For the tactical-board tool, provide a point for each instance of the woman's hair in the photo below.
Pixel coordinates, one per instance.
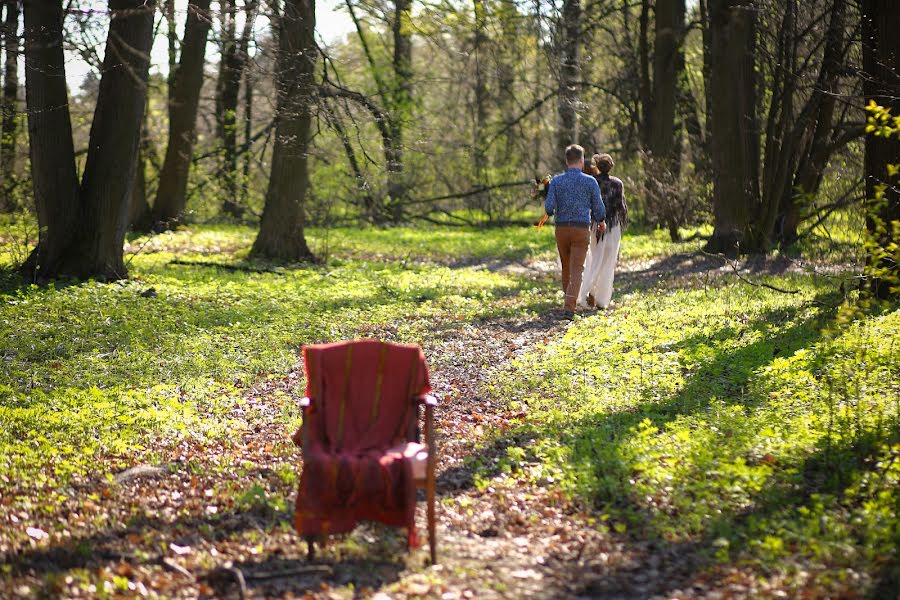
(590, 168)
(604, 162)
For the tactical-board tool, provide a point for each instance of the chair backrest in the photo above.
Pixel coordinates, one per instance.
(361, 394)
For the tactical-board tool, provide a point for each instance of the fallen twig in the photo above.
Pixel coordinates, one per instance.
(304, 570)
(226, 267)
(174, 566)
(734, 267)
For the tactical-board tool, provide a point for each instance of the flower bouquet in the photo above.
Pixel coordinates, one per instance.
(541, 186)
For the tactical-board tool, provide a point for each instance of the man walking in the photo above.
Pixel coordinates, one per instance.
(574, 197)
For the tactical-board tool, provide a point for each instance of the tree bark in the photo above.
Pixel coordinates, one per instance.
(666, 67)
(140, 204)
(53, 174)
(881, 83)
(480, 90)
(645, 89)
(816, 148)
(108, 178)
(401, 105)
(735, 139)
(569, 74)
(83, 229)
(231, 69)
(281, 234)
(171, 196)
(8, 104)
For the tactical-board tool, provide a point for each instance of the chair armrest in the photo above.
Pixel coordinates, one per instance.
(427, 400)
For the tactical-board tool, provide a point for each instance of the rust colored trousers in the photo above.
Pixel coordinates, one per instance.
(572, 243)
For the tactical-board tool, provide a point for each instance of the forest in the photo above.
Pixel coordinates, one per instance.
(191, 191)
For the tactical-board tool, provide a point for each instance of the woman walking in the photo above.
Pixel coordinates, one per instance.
(603, 253)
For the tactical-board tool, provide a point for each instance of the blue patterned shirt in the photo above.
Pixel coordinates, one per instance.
(574, 197)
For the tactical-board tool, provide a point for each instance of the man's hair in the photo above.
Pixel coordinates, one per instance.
(574, 153)
(604, 162)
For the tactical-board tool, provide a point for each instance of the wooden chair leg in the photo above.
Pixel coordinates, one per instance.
(310, 547)
(430, 481)
(432, 519)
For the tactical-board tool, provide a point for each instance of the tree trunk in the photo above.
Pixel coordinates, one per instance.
(735, 138)
(171, 196)
(115, 136)
(401, 105)
(480, 40)
(645, 89)
(569, 74)
(666, 67)
(53, 175)
(241, 72)
(816, 147)
(140, 205)
(248, 135)
(281, 234)
(8, 107)
(881, 83)
(83, 230)
(227, 93)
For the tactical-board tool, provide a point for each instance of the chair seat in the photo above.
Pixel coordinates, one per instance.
(417, 455)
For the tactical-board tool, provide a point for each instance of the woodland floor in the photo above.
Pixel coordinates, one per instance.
(210, 517)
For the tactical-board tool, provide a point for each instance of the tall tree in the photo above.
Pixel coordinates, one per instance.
(735, 136)
(171, 195)
(667, 64)
(8, 121)
(281, 234)
(570, 29)
(402, 102)
(814, 129)
(231, 69)
(82, 228)
(881, 84)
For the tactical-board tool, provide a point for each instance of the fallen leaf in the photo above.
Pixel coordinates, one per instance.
(38, 534)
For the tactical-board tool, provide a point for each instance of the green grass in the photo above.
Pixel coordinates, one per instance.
(758, 425)
(747, 420)
(95, 370)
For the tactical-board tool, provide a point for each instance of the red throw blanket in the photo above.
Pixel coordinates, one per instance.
(362, 404)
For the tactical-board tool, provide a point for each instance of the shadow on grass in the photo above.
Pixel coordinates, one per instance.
(367, 564)
(676, 268)
(596, 445)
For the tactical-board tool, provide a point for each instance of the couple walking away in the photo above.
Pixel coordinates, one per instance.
(590, 211)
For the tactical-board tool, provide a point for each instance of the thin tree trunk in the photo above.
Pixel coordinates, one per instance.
(881, 83)
(8, 107)
(816, 148)
(227, 93)
(171, 196)
(172, 46)
(250, 9)
(401, 105)
(248, 135)
(368, 202)
(666, 73)
(478, 49)
(140, 204)
(645, 89)
(735, 139)
(281, 233)
(83, 229)
(569, 74)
